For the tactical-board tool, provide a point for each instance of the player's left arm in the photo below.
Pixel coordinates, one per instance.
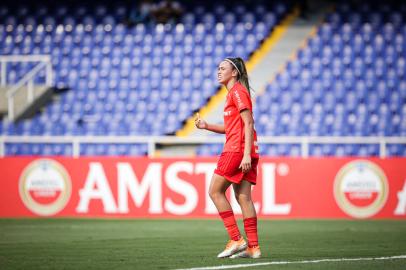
(248, 120)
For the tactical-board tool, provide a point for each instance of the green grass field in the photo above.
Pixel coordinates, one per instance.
(172, 244)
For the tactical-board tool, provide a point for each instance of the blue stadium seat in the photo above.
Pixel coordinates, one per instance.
(348, 80)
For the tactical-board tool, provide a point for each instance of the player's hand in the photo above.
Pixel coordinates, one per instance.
(245, 165)
(199, 122)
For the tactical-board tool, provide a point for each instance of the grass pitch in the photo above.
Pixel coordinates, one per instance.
(172, 244)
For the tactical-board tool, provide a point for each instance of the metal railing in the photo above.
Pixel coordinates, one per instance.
(153, 141)
(27, 80)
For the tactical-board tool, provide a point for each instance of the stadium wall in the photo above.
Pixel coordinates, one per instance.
(343, 188)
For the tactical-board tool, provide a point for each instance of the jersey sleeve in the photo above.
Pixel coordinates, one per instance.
(241, 99)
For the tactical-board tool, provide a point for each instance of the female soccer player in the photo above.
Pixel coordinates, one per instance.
(237, 165)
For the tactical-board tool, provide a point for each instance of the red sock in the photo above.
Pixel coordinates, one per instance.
(230, 224)
(250, 226)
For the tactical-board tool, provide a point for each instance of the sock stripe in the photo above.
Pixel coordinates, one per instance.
(226, 214)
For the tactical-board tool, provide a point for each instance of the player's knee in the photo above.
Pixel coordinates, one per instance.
(243, 198)
(215, 194)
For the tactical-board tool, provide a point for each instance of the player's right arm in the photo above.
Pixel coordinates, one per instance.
(202, 124)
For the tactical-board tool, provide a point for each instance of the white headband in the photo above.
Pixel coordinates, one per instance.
(228, 60)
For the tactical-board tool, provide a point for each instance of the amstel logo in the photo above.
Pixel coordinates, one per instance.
(361, 188)
(45, 187)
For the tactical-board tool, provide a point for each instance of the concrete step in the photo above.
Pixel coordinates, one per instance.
(24, 108)
(292, 34)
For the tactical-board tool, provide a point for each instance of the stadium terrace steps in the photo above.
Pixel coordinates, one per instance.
(23, 110)
(3, 101)
(145, 79)
(347, 80)
(292, 39)
(276, 51)
(266, 62)
(148, 79)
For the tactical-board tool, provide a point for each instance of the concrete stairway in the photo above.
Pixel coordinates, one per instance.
(291, 35)
(23, 107)
(271, 64)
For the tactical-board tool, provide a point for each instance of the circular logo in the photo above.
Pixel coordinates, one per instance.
(45, 187)
(361, 188)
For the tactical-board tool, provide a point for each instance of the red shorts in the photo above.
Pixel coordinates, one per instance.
(227, 166)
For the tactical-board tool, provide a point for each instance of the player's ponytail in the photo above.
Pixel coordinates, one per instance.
(239, 64)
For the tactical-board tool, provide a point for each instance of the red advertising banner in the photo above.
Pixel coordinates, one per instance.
(174, 187)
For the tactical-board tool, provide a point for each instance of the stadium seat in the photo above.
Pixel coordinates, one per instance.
(351, 81)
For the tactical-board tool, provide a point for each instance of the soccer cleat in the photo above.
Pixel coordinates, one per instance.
(233, 247)
(253, 253)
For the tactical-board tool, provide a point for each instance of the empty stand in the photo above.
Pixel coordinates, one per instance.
(349, 80)
(140, 80)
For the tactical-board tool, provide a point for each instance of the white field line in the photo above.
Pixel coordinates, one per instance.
(234, 266)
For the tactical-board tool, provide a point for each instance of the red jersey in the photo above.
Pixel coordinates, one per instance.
(237, 100)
